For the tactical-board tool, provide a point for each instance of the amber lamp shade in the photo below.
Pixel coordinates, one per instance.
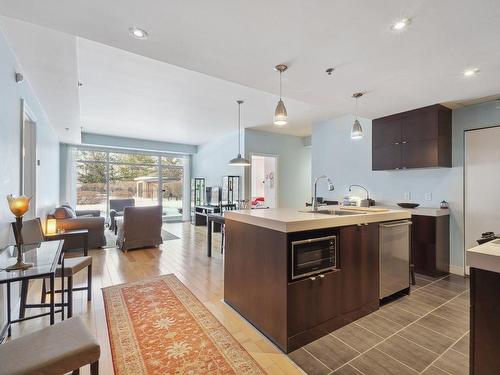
(18, 205)
(51, 226)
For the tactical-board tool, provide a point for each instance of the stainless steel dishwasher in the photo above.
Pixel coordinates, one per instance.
(394, 257)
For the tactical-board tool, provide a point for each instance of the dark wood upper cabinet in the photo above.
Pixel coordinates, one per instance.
(420, 138)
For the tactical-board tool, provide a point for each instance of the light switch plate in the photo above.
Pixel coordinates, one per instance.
(407, 196)
(428, 196)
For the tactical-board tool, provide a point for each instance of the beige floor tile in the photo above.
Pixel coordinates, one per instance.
(347, 370)
(308, 363)
(331, 351)
(433, 370)
(462, 346)
(407, 352)
(454, 363)
(395, 314)
(379, 325)
(375, 362)
(357, 337)
(452, 329)
(427, 338)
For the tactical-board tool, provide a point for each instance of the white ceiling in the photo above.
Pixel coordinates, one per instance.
(49, 62)
(241, 41)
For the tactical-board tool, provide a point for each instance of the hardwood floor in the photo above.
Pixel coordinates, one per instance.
(186, 258)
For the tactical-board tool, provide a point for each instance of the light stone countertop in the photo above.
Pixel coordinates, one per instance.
(292, 220)
(485, 256)
(422, 211)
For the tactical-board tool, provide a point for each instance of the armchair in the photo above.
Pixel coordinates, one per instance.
(139, 227)
(116, 207)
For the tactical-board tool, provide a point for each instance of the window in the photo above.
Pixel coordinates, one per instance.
(104, 175)
(91, 193)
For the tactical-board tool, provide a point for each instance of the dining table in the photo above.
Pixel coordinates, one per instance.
(44, 257)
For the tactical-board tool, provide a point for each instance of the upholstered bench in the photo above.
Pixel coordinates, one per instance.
(57, 349)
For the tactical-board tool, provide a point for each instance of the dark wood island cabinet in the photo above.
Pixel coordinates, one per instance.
(484, 322)
(292, 313)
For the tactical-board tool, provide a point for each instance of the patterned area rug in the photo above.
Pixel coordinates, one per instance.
(157, 326)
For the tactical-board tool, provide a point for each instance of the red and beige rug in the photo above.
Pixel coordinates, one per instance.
(157, 326)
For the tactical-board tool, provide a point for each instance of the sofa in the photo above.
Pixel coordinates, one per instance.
(139, 227)
(116, 207)
(69, 219)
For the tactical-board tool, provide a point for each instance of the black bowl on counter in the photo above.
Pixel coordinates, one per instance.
(408, 205)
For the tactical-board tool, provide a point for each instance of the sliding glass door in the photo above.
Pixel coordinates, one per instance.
(172, 172)
(147, 178)
(134, 176)
(91, 181)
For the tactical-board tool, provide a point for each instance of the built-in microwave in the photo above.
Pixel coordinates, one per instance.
(313, 256)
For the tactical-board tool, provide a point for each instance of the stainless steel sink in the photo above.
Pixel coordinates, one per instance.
(334, 212)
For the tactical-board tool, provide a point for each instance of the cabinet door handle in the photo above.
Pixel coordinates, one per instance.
(312, 278)
(322, 276)
(396, 143)
(404, 142)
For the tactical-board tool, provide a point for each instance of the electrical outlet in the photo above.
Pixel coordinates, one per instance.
(428, 196)
(407, 196)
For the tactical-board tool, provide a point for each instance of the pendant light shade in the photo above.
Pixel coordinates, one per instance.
(280, 114)
(357, 130)
(239, 161)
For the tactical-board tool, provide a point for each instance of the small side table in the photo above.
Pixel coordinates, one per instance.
(83, 233)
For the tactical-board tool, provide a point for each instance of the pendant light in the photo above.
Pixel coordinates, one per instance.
(239, 161)
(280, 115)
(357, 130)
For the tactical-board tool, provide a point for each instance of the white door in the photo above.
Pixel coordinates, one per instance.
(482, 183)
(29, 161)
(264, 177)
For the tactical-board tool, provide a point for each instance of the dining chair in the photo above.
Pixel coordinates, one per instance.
(32, 235)
(229, 207)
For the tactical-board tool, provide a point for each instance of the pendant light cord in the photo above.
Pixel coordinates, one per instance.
(280, 83)
(356, 108)
(239, 128)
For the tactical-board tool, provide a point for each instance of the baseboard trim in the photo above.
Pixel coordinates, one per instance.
(457, 270)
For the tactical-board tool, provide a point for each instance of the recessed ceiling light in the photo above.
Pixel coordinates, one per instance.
(401, 24)
(138, 33)
(471, 72)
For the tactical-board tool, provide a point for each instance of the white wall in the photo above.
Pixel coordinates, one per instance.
(10, 145)
(348, 161)
(294, 164)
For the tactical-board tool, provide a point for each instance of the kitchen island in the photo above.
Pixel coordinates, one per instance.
(484, 263)
(268, 282)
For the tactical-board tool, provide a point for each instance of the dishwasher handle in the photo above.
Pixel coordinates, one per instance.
(397, 224)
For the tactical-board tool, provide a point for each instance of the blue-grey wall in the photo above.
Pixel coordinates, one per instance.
(136, 144)
(11, 94)
(212, 159)
(348, 162)
(294, 165)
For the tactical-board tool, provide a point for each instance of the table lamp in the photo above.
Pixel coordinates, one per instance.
(19, 206)
(51, 226)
